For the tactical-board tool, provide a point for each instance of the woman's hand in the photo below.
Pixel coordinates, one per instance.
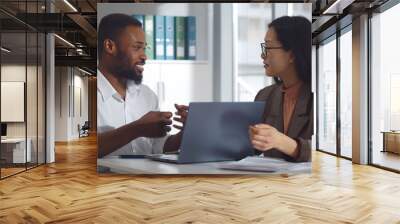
(264, 137)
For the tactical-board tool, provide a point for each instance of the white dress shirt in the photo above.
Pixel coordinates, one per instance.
(114, 112)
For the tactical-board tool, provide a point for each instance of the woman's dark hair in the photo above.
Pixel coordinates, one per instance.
(294, 33)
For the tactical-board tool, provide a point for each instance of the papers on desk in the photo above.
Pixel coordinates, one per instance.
(264, 164)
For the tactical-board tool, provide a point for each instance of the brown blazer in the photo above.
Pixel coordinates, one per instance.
(301, 124)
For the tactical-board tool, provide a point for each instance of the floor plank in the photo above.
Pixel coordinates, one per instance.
(70, 191)
(386, 159)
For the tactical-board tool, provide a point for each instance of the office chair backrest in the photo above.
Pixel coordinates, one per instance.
(86, 125)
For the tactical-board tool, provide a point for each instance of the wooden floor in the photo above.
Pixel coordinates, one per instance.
(9, 171)
(387, 159)
(5, 172)
(70, 191)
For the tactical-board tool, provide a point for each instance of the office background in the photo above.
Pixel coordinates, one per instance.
(22, 79)
(354, 69)
(28, 59)
(228, 65)
(340, 190)
(367, 46)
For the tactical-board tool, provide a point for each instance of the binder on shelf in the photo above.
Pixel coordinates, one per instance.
(180, 39)
(191, 37)
(149, 30)
(159, 37)
(140, 18)
(169, 38)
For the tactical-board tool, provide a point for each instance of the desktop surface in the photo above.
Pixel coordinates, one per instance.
(114, 164)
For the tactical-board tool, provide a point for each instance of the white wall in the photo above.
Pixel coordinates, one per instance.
(12, 73)
(33, 126)
(80, 82)
(61, 103)
(16, 73)
(70, 83)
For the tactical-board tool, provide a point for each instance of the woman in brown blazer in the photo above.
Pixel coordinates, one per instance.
(288, 127)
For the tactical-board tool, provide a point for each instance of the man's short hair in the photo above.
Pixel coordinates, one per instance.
(111, 26)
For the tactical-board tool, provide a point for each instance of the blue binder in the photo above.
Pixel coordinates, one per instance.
(169, 38)
(159, 37)
(149, 31)
(191, 37)
(180, 37)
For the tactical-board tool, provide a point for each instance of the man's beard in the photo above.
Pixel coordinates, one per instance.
(127, 73)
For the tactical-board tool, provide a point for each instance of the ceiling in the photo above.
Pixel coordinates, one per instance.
(76, 22)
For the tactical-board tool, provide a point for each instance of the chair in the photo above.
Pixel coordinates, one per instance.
(84, 130)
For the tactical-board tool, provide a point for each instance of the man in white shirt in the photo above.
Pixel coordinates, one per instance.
(129, 121)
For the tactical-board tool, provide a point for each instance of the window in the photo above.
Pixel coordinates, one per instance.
(253, 20)
(346, 94)
(22, 73)
(385, 87)
(327, 96)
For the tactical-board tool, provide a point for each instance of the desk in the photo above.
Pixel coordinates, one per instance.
(391, 141)
(13, 150)
(147, 166)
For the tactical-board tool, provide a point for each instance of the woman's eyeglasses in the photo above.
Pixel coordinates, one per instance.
(265, 49)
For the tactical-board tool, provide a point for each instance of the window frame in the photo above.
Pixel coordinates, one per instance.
(379, 10)
(334, 37)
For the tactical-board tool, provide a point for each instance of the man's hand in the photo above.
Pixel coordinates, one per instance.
(154, 124)
(181, 111)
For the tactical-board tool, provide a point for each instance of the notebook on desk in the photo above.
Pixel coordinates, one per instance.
(265, 164)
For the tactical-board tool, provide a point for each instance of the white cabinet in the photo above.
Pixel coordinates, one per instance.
(179, 82)
(16, 148)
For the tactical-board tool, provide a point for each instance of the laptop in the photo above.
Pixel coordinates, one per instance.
(216, 131)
